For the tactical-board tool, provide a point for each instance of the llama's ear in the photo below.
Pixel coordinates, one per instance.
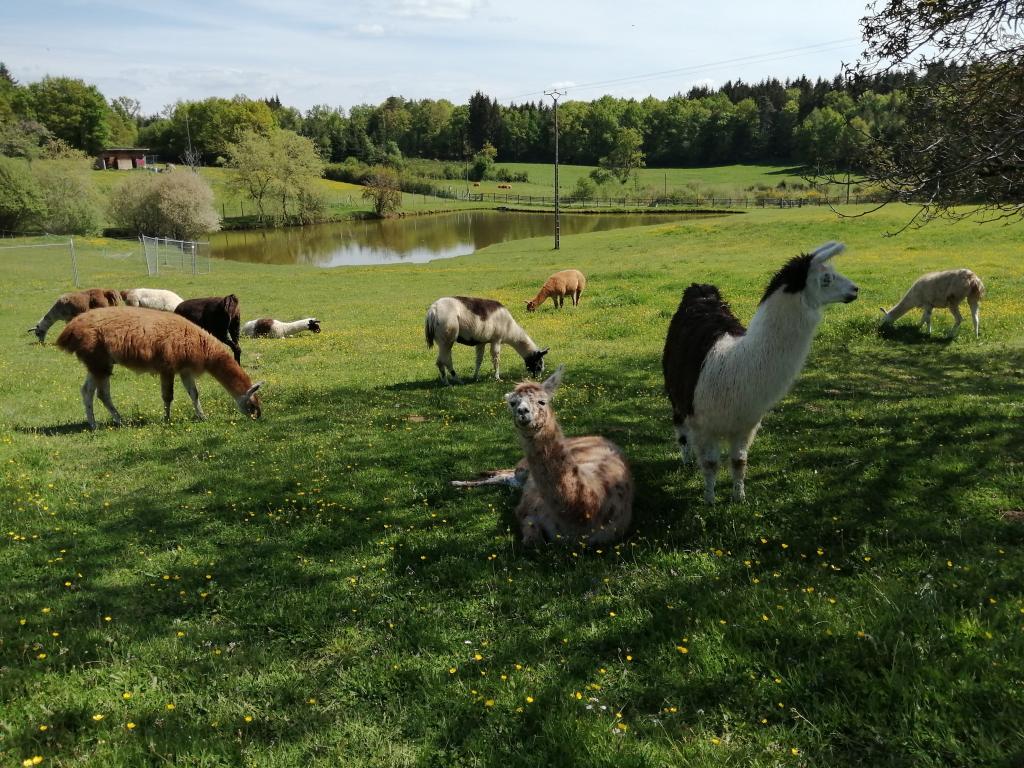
(882, 310)
(508, 396)
(544, 351)
(552, 382)
(253, 389)
(825, 252)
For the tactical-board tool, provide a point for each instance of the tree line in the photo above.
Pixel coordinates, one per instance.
(814, 122)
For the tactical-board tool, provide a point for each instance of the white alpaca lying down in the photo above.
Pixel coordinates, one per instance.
(941, 289)
(275, 329)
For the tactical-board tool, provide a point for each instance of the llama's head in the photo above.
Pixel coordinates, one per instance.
(530, 402)
(314, 325)
(813, 275)
(249, 402)
(535, 361)
(531, 305)
(40, 333)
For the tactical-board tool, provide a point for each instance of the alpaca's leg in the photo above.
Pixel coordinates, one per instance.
(103, 387)
(479, 361)
(88, 393)
(975, 316)
(684, 444)
(710, 456)
(189, 383)
(530, 514)
(926, 319)
(954, 307)
(738, 464)
(496, 359)
(167, 391)
(576, 297)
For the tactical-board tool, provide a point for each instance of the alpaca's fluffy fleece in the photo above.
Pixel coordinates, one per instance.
(152, 298)
(276, 329)
(72, 304)
(219, 315)
(152, 341)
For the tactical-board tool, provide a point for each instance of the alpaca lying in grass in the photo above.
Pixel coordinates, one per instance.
(941, 289)
(722, 378)
(267, 327)
(152, 298)
(568, 282)
(574, 488)
(72, 304)
(151, 341)
(476, 322)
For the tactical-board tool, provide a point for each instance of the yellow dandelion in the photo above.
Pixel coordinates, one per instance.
(764, 617)
(477, 657)
(682, 649)
(794, 751)
(715, 740)
(23, 622)
(126, 695)
(622, 726)
(107, 618)
(180, 633)
(97, 717)
(628, 657)
(452, 670)
(611, 613)
(41, 656)
(44, 728)
(130, 726)
(248, 718)
(529, 699)
(169, 706)
(489, 703)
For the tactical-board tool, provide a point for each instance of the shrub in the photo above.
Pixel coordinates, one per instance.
(584, 189)
(21, 200)
(177, 205)
(71, 204)
(383, 191)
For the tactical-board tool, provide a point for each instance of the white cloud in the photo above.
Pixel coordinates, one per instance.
(447, 10)
(370, 30)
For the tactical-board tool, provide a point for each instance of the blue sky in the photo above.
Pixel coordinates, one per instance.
(348, 52)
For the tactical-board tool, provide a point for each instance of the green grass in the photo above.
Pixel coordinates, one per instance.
(314, 571)
(724, 181)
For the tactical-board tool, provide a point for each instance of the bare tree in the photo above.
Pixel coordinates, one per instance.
(961, 152)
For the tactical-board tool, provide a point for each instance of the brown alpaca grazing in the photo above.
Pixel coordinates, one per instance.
(577, 488)
(568, 282)
(152, 341)
(72, 304)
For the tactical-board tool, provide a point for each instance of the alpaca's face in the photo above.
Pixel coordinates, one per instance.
(826, 286)
(530, 407)
(249, 403)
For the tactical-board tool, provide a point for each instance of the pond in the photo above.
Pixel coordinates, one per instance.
(411, 239)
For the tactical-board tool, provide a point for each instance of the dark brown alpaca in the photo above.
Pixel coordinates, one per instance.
(152, 341)
(218, 315)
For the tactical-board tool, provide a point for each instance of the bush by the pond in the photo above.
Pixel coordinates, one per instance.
(177, 205)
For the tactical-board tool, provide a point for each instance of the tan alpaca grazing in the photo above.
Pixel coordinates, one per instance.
(568, 282)
(577, 488)
(152, 341)
(69, 305)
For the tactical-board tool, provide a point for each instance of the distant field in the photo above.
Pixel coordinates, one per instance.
(308, 590)
(726, 181)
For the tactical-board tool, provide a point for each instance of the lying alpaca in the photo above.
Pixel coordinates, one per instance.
(153, 298)
(217, 315)
(941, 289)
(577, 487)
(476, 322)
(69, 305)
(721, 379)
(155, 342)
(568, 282)
(275, 329)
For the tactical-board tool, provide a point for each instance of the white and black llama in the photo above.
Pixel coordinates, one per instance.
(722, 378)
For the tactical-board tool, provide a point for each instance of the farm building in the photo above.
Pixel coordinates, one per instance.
(122, 158)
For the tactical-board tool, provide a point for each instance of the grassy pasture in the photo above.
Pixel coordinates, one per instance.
(308, 590)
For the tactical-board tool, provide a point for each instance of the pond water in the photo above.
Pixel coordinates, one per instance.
(411, 239)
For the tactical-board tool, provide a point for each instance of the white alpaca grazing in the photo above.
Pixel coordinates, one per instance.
(275, 329)
(941, 289)
(476, 322)
(722, 378)
(152, 298)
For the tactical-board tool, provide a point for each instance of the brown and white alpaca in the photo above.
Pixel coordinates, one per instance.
(268, 327)
(151, 341)
(568, 282)
(576, 487)
(476, 322)
(72, 304)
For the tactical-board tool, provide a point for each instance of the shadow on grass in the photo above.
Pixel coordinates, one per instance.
(335, 537)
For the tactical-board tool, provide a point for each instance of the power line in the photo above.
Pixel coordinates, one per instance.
(759, 58)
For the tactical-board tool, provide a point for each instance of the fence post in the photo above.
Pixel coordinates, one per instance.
(193, 258)
(74, 260)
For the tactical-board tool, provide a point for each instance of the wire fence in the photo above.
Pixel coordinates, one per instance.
(165, 254)
(52, 247)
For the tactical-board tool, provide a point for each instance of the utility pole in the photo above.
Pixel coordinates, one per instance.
(555, 94)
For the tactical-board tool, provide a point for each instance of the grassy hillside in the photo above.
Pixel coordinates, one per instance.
(307, 589)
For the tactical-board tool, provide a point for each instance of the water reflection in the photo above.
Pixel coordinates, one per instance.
(414, 239)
